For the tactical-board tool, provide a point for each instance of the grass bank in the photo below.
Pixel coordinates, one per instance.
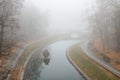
(27, 51)
(88, 66)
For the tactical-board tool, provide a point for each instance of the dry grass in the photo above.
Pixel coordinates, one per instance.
(30, 49)
(112, 55)
(93, 70)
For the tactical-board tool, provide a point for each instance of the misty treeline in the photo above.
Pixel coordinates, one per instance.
(106, 25)
(20, 23)
(8, 22)
(33, 22)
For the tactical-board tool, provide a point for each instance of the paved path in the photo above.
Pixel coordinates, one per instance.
(90, 54)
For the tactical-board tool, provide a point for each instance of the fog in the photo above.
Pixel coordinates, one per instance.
(28, 27)
(57, 15)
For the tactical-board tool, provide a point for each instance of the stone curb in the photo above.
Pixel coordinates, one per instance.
(20, 53)
(76, 67)
(23, 70)
(14, 64)
(27, 61)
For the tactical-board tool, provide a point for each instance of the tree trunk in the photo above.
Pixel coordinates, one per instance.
(1, 39)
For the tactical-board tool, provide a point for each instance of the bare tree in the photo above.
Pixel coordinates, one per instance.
(8, 10)
(107, 23)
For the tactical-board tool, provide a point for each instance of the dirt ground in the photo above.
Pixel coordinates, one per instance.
(112, 55)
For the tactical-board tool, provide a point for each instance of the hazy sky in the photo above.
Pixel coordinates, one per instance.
(65, 15)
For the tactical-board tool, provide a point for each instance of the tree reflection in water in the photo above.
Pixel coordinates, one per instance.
(46, 61)
(46, 58)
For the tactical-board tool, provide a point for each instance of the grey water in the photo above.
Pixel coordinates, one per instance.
(59, 68)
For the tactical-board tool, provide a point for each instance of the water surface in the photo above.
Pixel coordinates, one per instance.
(59, 68)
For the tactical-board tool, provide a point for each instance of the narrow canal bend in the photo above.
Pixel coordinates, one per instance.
(59, 68)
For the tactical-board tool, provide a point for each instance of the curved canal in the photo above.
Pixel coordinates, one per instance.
(57, 66)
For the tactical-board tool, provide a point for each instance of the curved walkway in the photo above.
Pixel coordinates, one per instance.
(90, 54)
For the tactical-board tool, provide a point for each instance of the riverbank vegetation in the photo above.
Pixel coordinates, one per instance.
(105, 24)
(91, 68)
(28, 51)
(17, 28)
(9, 33)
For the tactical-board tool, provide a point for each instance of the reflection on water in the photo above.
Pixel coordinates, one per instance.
(56, 66)
(46, 56)
(46, 61)
(32, 70)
